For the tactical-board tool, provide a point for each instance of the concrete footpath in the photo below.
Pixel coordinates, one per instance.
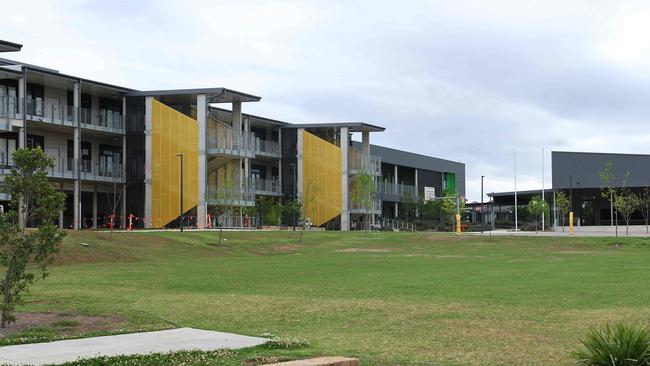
(124, 344)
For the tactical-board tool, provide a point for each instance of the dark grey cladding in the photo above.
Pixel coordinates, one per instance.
(580, 169)
(419, 161)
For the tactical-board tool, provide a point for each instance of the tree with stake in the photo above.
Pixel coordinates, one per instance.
(537, 207)
(34, 200)
(609, 188)
(113, 204)
(626, 203)
(563, 205)
(363, 192)
(308, 197)
(226, 199)
(644, 206)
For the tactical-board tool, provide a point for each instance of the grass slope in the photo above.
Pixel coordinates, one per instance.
(388, 298)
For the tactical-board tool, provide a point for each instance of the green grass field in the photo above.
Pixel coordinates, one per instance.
(387, 298)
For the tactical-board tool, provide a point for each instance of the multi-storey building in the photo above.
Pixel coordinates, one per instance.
(123, 149)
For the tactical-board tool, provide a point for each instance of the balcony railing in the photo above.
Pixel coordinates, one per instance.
(358, 161)
(57, 112)
(266, 186)
(396, 191)
(375, 207)
(266, 147)
(226, 141)
(217, 195)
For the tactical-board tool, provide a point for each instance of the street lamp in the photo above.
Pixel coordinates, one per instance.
(482, 176)
(181, 201)
(293, 196)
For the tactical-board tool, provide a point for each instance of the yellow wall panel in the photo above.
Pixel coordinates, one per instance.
(172, 133)
(321, 190)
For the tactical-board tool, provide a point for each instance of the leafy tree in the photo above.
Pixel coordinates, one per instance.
(609, 186)
(563, 205)
(34, 200)
(626, 203)
(452, 204)
(644, 206)
(269, 209)
(363, 192)
(408, 206)
(537, 207)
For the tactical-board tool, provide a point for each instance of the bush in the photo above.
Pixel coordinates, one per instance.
(620, 345)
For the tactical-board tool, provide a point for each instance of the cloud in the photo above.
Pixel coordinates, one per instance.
(469, 81)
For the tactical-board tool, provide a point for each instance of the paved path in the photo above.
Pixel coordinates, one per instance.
(124, 344)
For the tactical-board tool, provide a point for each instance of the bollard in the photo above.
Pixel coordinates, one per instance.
(571, 223)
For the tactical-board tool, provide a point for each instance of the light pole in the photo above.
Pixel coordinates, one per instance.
(482, 176)
(293, 196)
(181, 201)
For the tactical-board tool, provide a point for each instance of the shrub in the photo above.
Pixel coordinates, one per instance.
(620, 345)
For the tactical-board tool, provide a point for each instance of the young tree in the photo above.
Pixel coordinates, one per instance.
(537, 207)
(34, 200)
(307, 199)
(226, 199)
(408, 206)
(452, 204)
(114, 202)
(626, 203)
(363, 192)
(563, 205)
(609, 186)
(644, 206)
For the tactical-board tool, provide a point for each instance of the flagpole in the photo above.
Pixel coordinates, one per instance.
(516, 223)
(544, 202)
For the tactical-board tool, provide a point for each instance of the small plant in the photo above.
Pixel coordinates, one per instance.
(618, 345)
(286, 342)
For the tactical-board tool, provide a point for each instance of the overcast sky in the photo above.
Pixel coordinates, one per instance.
(468, 81)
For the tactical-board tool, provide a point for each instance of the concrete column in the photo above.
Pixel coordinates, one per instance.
(148, 195)
(417, 192)
(365, 142)
(22, 94)
(345, 199)
(123, 210)
(76, 143)
(236, 120)
(202, 119)
(280, 161)
(299, 166)
(95, 208)
(396, 209)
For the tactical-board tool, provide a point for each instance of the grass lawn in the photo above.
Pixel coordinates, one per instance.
(387, 298)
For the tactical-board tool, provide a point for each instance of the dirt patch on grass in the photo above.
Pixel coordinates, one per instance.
(366, 250)
(63, 323)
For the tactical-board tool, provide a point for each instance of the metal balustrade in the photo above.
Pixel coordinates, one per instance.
(266, 186)
(226, 141)
(375, 207)
(267, 147)
(232, 197)
(60, 113)
(358, 161)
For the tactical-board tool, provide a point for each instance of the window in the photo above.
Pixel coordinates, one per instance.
(34, 141)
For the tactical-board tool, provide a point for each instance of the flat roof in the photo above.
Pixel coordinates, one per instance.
(255, 117)
(214, 95)
(353, 126)
(6, 46)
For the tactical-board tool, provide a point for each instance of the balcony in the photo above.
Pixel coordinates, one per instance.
(358, 161)
(219, 196)
(396, 192)
(267, 148)
(59, 113)
(267, 187)
(101, 171)
(227, 142)
(375, 208)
